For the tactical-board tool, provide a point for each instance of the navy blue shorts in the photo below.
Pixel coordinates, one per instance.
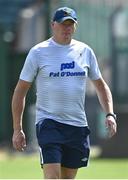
(62, 143)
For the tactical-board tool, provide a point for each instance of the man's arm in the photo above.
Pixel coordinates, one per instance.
(18, 104)
(106, 101)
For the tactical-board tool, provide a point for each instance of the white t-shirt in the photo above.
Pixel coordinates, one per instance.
(60, 73)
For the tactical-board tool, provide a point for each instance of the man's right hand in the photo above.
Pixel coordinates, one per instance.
(19, 141)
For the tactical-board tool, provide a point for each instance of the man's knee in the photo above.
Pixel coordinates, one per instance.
(67, 173)
(52, 171)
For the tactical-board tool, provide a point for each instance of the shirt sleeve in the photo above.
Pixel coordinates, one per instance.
(94, 71)
(30, 68)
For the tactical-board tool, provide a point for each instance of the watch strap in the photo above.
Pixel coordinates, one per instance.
(111, 114)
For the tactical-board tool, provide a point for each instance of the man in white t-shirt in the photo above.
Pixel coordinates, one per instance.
(60, 67)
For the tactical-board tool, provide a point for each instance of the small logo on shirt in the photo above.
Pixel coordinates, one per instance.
(84, 159)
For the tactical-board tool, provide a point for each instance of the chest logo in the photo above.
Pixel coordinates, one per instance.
(64, 73)
(67, 66)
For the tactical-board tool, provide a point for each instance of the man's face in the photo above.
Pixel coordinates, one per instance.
(63, 31)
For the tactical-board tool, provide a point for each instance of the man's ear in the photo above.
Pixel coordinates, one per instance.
(52, 24)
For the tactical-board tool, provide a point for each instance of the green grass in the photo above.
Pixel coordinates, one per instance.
(27, 167)
(105, 169)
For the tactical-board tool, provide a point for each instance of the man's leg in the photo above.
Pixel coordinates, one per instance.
(68, 173)
(52, 171)
(50, 156)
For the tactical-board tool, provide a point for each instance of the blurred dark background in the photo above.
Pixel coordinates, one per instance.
(103, 25)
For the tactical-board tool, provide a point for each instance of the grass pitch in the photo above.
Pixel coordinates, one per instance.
(27, 167)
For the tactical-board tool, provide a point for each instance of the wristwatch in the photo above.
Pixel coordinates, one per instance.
(111, 114)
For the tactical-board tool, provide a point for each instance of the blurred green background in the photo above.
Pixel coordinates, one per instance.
(103, 25)
(27, 167)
